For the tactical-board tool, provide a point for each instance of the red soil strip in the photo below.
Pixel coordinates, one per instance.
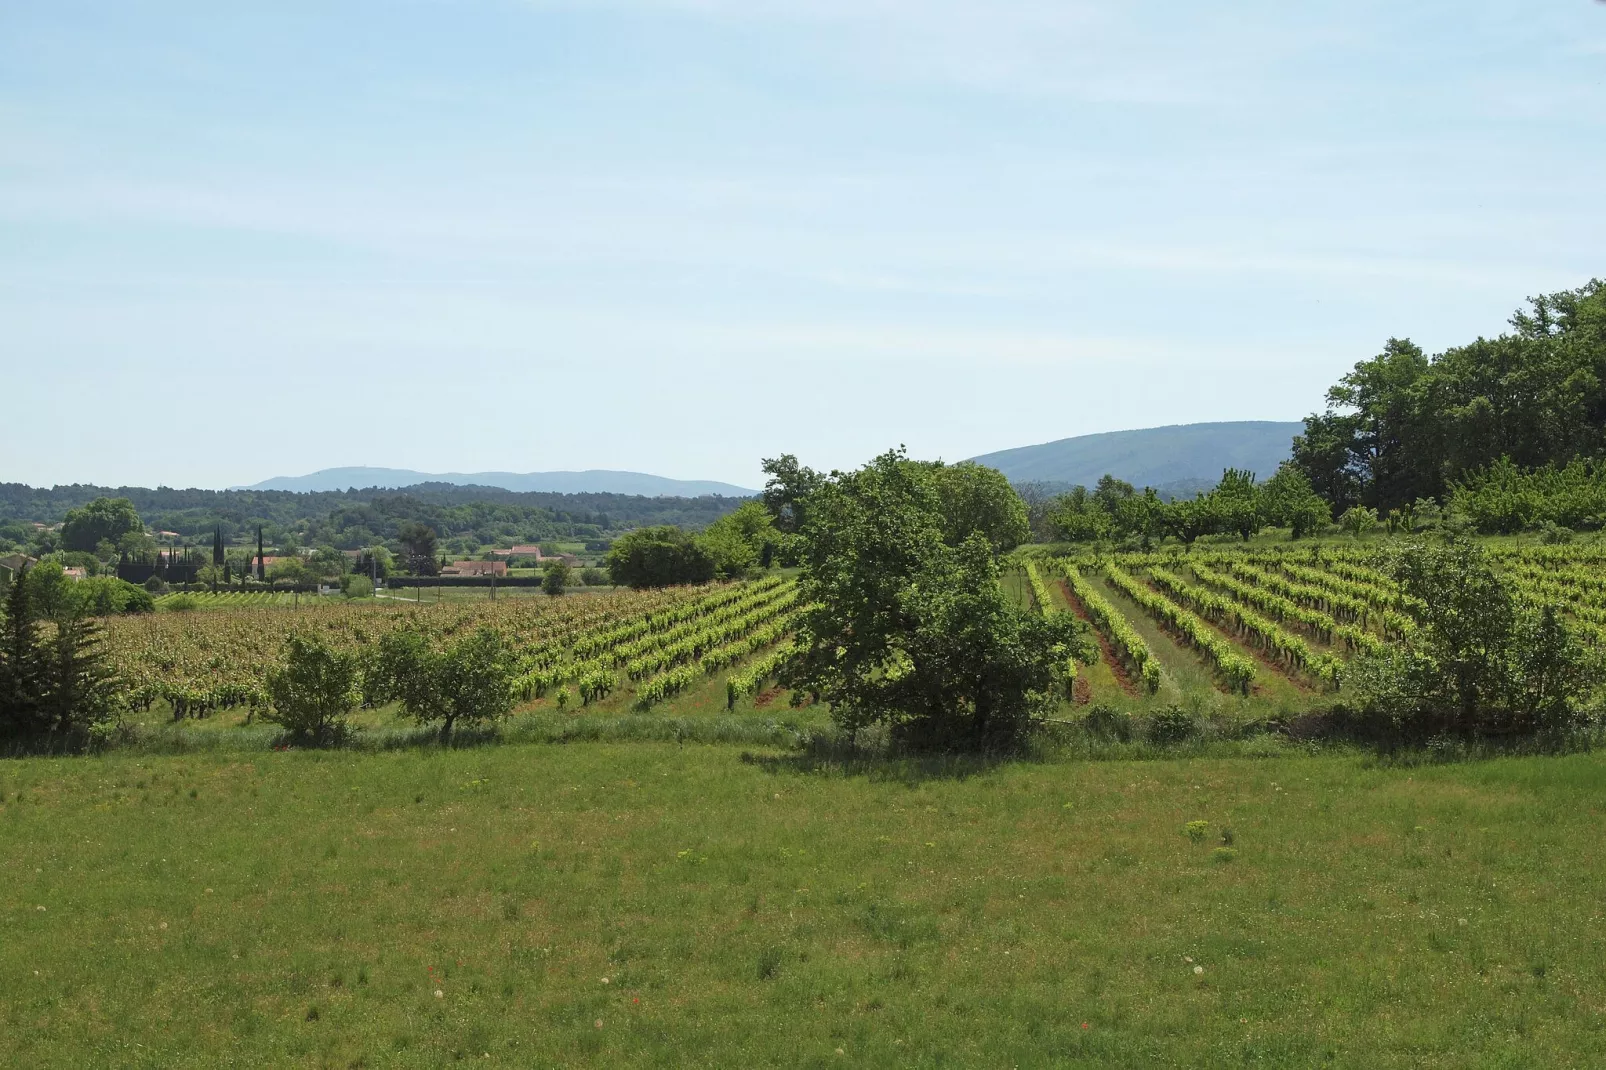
(1111, 658)
(764, 698)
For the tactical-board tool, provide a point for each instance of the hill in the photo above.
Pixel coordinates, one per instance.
(593, 481)
(1162, 457)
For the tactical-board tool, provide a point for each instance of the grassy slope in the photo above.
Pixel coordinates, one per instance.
(303, 909)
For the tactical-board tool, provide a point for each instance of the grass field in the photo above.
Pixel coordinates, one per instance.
(653, 904)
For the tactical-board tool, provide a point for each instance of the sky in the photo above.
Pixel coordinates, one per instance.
(677, 236)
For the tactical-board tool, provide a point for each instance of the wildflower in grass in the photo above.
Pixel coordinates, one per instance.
(1198, 970)
(1196, 830)
(599, 1023)
(439, 994)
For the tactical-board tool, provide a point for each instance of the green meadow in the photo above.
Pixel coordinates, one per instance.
(649, 904)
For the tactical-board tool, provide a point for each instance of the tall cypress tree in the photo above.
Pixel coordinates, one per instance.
(217, 546)
(262, 568)
(22, 665)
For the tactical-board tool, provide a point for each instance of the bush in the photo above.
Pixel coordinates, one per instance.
(593, 577)
(357, 586)
(1171, 725)
(1106, 722)
(313, 690)
(155, 585)
(555, 578)
(1553, 534)
(1482, 664)
(180, 603)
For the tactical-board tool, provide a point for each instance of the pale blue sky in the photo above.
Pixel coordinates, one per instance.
(240, 240)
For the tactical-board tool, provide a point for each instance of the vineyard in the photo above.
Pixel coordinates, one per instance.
(642, 647)
(1239, 629)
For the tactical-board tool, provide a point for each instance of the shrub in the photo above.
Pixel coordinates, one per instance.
(155, 585)
(593, 577)
(1553, 534)
(1107, 722)
(180, 603)
(1171, 725)
(1196, 830)
(313, 690)
(555, 578)
(1482, 663)
(357, 586)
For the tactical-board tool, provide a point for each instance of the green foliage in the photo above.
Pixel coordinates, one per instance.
(1288, 500)
(593, 577)
(979, 500)
(418, 548)
(659, 557)
(555, 578)
(51, 685)
(903, 627)
(1482, 662)
(355, 585)
(102, 520)
(107, 596)
(736, 542)
(1398, 427)
(1503, 498)
(467, 682)
(1359, 520)
(313, 690)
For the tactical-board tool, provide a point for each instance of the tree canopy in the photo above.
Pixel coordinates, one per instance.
(907, 625)
(1403, 426)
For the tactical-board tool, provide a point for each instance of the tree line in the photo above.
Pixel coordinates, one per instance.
(1404, 426)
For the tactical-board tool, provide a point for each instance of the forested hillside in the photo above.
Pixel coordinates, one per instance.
(353, 519)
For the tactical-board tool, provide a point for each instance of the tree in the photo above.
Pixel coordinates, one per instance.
(418, 548)
(1481, 663)
(313, 689)
(736, 541)
(1289, 501)
(81, 692)
(22, 669)
(905, 629)
(1402, 425)
(555, 578)
(1188, 519)
(1077, 516)
(328, 561)
(975, 499)
(789, 484)
(1237, 503)
(660, 556)
(469, 681)
(49, 591)
(102, 520)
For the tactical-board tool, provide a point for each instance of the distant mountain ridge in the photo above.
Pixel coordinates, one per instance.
(593, 481)
(1174, 457)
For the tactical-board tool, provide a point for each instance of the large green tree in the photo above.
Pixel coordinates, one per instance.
(104, 520)
(907, 624)
(661, 556)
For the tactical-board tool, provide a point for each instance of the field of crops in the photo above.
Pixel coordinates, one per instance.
(226, 600)
(1257, 626)
(652, 645)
